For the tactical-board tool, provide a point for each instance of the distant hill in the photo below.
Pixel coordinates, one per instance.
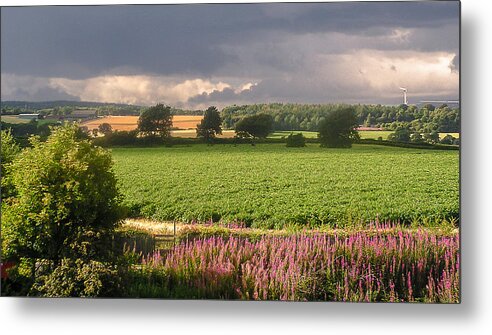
(103, 108)
(59, 103)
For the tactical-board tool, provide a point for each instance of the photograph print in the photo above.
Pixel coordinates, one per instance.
(261, 151)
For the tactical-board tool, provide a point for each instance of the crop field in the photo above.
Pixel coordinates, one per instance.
(12, 119)
(130, 122)
(269, 185)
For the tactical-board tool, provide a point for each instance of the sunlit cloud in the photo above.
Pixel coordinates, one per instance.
(144, 90)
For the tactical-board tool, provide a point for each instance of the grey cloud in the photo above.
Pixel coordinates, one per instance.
(455, 64)
(80, 42)
(41, 94)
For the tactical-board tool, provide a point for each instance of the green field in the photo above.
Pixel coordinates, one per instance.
(271, 185)
(13, 119)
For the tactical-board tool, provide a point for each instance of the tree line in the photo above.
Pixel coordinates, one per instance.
(424, 119)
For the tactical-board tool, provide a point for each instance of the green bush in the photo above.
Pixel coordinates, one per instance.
(9, 149)
(79, 279)
(66, 202)
(401, 134)
(296, 141)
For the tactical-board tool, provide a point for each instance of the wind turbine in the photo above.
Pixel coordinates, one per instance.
(405, 102)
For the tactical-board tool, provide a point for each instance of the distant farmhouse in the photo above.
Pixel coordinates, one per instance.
(81, 115)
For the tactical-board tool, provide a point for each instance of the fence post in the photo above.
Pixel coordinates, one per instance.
(174, 234)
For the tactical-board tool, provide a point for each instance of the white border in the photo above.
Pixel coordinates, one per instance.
(78, 316)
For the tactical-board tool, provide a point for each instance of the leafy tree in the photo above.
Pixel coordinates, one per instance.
(105, 128)
(79, 279)
(429, 107)
(156, 121)
(257, 126)
(339, 129)
(416, 137)
(369, 121)
(296, 141)
(401, 134)
(210, 126)
(66, 203)
(432, 137)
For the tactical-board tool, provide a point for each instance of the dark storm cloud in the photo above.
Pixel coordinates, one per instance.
(41, 94)
(82, 42)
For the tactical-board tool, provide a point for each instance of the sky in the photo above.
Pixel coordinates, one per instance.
(199, 55)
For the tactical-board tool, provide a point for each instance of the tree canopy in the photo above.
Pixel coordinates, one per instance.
(210, 126)
(156, 121)
(105, 128)
(401, 134)
(339, 128)
(257, 126)
(289, 116)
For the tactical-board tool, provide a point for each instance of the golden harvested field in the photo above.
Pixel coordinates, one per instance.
(130, 122)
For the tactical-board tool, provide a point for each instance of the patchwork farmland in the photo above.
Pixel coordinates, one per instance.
(130, 122)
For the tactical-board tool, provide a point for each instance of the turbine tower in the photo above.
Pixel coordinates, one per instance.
(405, 102)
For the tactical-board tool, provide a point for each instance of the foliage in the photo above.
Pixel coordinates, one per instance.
(79, 278)
(401, 134)
(118, 137)
(105, 128)
(296, 141)
(398, 267)
(414, 145)
(23, 130)
(265, 185)
(257, 126)
(416, 137)
(338, 129)
(432, 137)
(66, 202)
(309, 116)
(9, 149)
(156, 121)
(210, 126)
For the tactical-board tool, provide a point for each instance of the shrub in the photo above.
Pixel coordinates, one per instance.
(79, 279)
(401, 134)
(416, 137)
(9, 149)
(432, 137)
(122, 137)
(296, 141)
(66, 203)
